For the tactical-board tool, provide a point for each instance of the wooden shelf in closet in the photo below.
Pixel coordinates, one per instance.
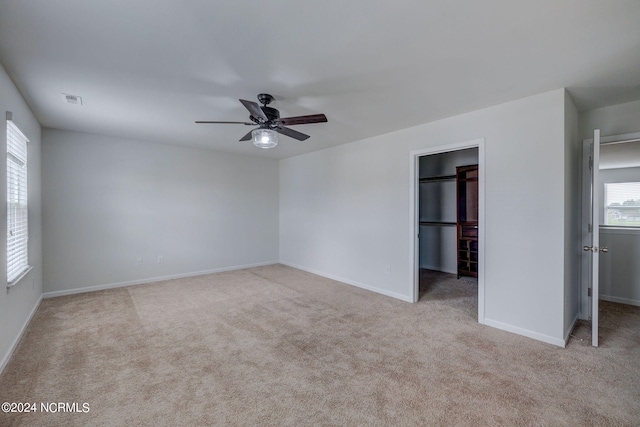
(438, 179)
(467, 220)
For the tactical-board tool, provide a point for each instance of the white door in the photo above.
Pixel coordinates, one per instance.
(592, 235)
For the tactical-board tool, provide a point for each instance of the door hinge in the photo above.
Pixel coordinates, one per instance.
(588, 292)
(590, 162)
(590, 228)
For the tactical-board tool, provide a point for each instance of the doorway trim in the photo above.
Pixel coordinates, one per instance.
(414, 158)
(585, 267)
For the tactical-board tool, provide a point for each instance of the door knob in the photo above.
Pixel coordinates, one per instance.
(587, 248)
(604, 249)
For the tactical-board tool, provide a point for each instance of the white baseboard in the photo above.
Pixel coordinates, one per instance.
(16, 341)
(524, 332)
(620, 300)
(351, 282)
(150, 280)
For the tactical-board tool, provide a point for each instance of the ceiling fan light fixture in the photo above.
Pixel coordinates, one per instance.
(264, 138)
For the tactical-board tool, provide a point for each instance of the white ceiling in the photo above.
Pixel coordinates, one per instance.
(146, 69)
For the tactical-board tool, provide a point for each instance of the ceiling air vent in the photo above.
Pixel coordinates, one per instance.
(72, 99)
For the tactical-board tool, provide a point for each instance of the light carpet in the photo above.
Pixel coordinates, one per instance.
(276, 346)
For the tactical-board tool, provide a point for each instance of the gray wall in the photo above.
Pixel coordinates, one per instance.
(344, 211)
(438, 244)
(619, 273)
(18, 303)
(612, 120)
(108, 202)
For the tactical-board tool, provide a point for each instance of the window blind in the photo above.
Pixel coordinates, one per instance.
(622, 204)
(17, 208)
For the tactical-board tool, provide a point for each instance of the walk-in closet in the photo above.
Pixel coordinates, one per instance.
(448, 224)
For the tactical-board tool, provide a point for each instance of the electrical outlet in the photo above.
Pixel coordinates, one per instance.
(160, 259)
(139, 261)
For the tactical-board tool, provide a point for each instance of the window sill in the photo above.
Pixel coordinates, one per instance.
(20, 277)
(619, 230)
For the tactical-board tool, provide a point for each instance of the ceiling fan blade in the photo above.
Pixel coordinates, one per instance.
(248, 136)
(239, 123)
(292, 133)
(302, 120)
(254, 109)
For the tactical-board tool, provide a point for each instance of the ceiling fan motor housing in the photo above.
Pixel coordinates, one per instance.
(271, 113)
(265, 98)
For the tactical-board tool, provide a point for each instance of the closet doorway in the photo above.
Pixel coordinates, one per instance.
(448, 207)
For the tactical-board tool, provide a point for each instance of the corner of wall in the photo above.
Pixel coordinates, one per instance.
(572, 209)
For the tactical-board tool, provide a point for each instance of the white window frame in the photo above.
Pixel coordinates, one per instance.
(17, 205)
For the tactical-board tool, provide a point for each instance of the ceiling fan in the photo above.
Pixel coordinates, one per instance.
(270, 124)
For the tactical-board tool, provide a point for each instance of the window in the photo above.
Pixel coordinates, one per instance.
(17, 212)
(622, 204)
